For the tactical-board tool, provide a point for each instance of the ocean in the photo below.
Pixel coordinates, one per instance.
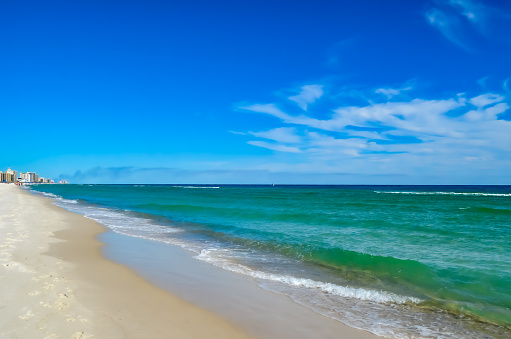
(397, 261)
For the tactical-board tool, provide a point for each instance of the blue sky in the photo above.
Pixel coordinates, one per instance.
(324, 92)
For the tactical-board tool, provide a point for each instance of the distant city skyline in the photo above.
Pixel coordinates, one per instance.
(13, 176)
(330, 92)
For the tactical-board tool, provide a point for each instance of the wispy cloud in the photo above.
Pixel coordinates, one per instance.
(471, 10)
(446, 132)
(283, 134)
(392, 92)
(126, 174)
(486, 99)
(417, 115)
(448, 139)
(334, 54)
(162, 175)
(308, 94)
(271, 109)
(457, 20)
(275, 146)
(448, 25)
(275, 172)
(239, 133)
(505, 85)
(482, 82)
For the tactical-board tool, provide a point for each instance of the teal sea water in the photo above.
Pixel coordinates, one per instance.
(399, 261)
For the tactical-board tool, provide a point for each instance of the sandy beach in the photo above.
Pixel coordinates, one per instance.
(57, 284)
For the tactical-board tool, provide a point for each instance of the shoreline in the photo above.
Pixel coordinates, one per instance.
(56, 284)
(237, 298)
(111, 289)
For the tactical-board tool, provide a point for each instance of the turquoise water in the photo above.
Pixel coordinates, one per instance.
(399, 261)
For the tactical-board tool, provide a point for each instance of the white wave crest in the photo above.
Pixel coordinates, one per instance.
(195, 187)
(343, 291)
(51, 195)
(57, 199)
(449, 193)
(66, 201)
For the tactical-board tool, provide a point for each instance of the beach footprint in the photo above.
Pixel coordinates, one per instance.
(81, 335)
(27, 315)
(49, 286)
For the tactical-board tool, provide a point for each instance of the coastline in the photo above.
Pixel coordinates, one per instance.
(58, 282)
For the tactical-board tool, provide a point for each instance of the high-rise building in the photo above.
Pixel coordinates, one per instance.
(9, 176)
(31, 177)
(12, 175)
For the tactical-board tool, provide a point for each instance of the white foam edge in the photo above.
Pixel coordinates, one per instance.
(448, 193)
(343, 291)
(195, 187)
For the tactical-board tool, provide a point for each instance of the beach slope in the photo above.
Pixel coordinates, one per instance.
(56, 284)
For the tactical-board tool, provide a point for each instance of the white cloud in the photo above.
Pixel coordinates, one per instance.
(391, 92)
(283, 134)
(489, 113)
(268, 109)
(275, 147)
(324, 145)
(418, 116)
(388, 92)
(239, 133)
(486, 99)
(367, 135)
(428, 137)
(307, 95)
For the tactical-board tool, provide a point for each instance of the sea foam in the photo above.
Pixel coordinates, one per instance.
(343, 291)
(449, 193)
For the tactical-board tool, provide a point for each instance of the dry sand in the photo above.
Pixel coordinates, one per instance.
(54, 283)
